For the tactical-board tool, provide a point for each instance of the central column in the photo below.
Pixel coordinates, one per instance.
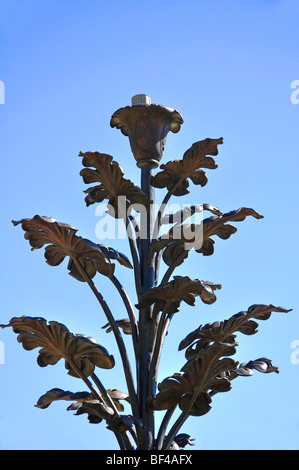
(147, 126)
(145, 316)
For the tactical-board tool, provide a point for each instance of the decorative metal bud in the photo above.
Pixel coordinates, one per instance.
(147, 126)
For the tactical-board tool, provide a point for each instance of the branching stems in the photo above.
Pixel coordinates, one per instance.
(179, 422)
(123, 440)
(164, 203)
(172, 267)
(118, 337)
(130, 310)
(160, 336)
(134, 251)
(163, 427)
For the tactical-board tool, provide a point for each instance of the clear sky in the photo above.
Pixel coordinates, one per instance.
(227, 67)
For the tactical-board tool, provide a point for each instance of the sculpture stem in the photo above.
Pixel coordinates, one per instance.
(160, 336)
(179, 423)
(164, 203)
(134, 253)
(147, 272)
(118, 337)
(163, 427)
(130, 310)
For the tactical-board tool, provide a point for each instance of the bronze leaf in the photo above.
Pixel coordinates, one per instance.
(112, 185)
(263, 365)
(179, 289)
(215, 225)
(62, 241)
(56, 342)
(83, 402)
(116, 396)
(184, 439)
(224, 331)
(124, 324)
(174, 250)
(56, 394)
(194, 158)
(212, 226)
(181, 215)
(190, 390)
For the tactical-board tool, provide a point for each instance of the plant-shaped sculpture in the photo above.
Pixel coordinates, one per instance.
(209, 368)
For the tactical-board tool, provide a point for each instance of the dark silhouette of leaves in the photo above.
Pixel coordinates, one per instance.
(190, 390)
(124, 324)
(224, 331)
(56, 342)
(184, 439)
(62, 241)
(178, 290)
(84, 402)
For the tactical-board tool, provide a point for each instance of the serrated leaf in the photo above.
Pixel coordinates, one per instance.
(189, 167)
(56, 342)
(124, 324)
(263, 365)
(224, 331)
(62, 241)
(182, 238)
(178, 290)
(202, 375)
(112, 185)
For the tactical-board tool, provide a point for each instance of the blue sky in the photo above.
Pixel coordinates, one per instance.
(227, 67)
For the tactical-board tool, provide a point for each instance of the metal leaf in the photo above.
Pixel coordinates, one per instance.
(124, 324)
(262, 365)
(83, 402)
(56, 342)
(83, 399)
(178, 290)
(111, 253)
(215, 225)
(116, 396)
(112, 182)
(90, 408)
(62, 241)
(177, 243)
(174, 250)
(224, 331)
(181, 215)
(184, 439)
(56, 394)
(180, 170)
(203, 374)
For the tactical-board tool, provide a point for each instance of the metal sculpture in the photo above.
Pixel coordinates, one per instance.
(209, 368)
